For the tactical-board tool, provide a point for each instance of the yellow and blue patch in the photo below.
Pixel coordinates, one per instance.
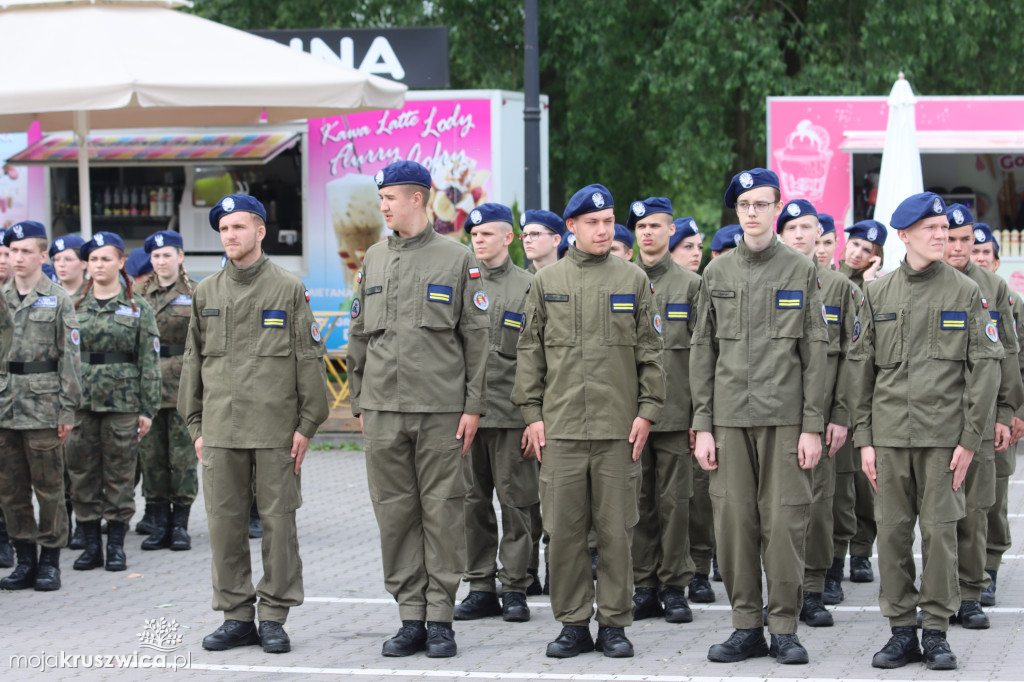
(953, 320)
(994, 314)
(789, 299)
(439, 293)
(513, 320)
(832, 314)
(274, 318)
(677, 311)
(623, 303)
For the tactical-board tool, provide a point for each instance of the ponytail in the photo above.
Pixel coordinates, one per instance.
(128, 289)
(184, 277)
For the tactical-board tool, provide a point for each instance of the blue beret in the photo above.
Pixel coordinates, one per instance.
(748, 180)
(488, 213)
(623, 235)
(101, 239)
(827, 223)
(650, 205)
(983, 235)
(546, 218)
(794, 208)
(233, 203)
(70, 241)
(727, 238)
(564, 245)
(588, 200)
(685, 227)
(138, 263)
(959, 215)
(51, 273)
(163, 238)
(871, 230)
(917, 207)
(24, 230)
(403, 173)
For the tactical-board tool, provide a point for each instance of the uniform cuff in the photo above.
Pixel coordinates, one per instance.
(862, 438)
(66, 417)
(970, 441)
(475, 407)
(306, 428)
(649, 412)
(195, 431)
(1004, 414)
(701, 424)
(356, 410)
(840, 416)
(813, 425)
(532, 414)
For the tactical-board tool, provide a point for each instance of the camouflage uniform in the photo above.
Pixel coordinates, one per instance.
(120, 381)
(167, 454)
(39, 389)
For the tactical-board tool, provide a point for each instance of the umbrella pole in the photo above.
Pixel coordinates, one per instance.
(84, 189)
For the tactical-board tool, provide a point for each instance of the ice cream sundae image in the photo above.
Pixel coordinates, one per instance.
(803, 163)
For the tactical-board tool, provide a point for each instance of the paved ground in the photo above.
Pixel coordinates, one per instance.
(347, 615)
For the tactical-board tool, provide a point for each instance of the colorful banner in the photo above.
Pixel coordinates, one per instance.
(452, 138)
(127, 149)
(14, 185)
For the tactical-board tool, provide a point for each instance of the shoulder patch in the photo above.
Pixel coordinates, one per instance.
(481, 301)
(156, 345)
(76, 337)
(356, 307)
(474, 273)
(856, 328)
(314, 331)
(991, 332)
(657, 322)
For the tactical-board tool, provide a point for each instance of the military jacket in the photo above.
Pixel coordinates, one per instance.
(6, 332)
(921, 333)
(840, 300)
(253, 372)
(1018, 329)
(417, 340)
(855, 276)
(132, 385)
(590, 355)
(46, 331)
(675, 299)
(505, 288)
(995, 299)
(172, 306)
(759, 347)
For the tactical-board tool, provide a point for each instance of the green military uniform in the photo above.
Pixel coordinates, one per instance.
(702, 521)
(757, 373)
(417, 353)
(120, 382)
(921, 333)
(589, 364)
(253, 375)
(661, 545)
(496, 457)
(168, 457)
(40, 387)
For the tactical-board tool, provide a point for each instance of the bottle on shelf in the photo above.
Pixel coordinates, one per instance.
(133, 202)
(108, 205)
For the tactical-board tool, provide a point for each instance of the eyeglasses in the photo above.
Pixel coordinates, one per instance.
(759, 206)
(530, 236)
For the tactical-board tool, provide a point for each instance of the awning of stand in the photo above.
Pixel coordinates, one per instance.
(940, 142)
(159, 150)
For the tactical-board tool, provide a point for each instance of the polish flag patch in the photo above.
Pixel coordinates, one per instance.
(474, 273)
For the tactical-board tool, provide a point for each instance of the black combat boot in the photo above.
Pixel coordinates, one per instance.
(180, 539)
(902, 648)
(48, 571)
(6, 551)
(536, 588)
(147, 524)
(613, 643)
(860, 570)
(814, 613)
(160, 526)
(255, 524)
(646, 603)
(231, 634)
(988, 595)
(24, 574)
(833, 593)
(700, 589)
(788, 650)
(741, 645)
(411, 637)
(937, 654)
(92, 557)
(971, 616)
(514, 608)
(440, 640)
(478, 605)
(116, 560)
(273, 637)
(573, 640)
(676, 608)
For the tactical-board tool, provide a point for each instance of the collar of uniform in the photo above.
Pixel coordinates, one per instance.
(659, 268)
(43, 287)
(757, 256)
(583, 258)
(845, 269)
(969, 268)
(246, 275)
(926, 274)
(494, 273)
(121, 297)
(425, 237)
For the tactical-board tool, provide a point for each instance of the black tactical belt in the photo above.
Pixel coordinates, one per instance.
(38, 367)
(171, 350)
(106, 358)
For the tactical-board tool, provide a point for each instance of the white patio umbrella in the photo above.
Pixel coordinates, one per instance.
(98, 64)
(901, 165)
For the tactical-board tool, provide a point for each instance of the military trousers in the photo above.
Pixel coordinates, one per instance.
(661, 538)
(229, 478)
(867, 529)
(702, 521)
(762, 501)
(915, 485)
(972, 529)
(844, 499)
(819, 550)
(536, 530)
(103, 453)
(498, 465)
(169, 460)
(999, 538)
(418, 482)
(33, 460)
(584, 486)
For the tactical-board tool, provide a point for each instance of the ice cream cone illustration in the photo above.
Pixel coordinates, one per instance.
(804, 162)
(358, 222)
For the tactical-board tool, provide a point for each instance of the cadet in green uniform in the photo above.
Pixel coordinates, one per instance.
(120, 395)
(980, 484)
(589, 376)
(863, 258)
(760, 301)
(253, 392)
(687, 244)
(799, 227)
(662, 567)
(168, 457)
(497, 454)
(39, 392)
(929, 363)
(417, 354)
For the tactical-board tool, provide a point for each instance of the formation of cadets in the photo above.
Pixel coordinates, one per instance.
(649, 427)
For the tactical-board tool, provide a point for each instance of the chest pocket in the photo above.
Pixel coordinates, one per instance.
(947, 333)
(833, 323)
(375, 302)
(439, 301)
(788, 307)
(41, 329)
(213, 322)
(677, 324)
(272, 330)
(727, 301)
(560, 322)
(619, 318)
(509, 327)
(888, 329)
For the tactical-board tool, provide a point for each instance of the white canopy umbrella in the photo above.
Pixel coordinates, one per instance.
(100, 64)
(901, 165)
